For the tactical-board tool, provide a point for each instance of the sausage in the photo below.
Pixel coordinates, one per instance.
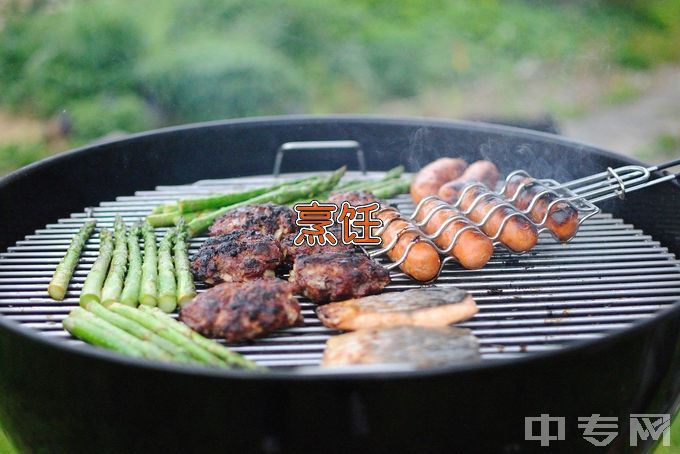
(431, 177)
(422, 262)
(484, 172)
(519, 234)
(563, 217)
(472, 250)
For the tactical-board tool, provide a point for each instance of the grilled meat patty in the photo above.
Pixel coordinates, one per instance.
(414, 345)
(268, 218)
(429, 306)
(241, 311)
(335, 276)
(354, 198)
(291, 252)
(237, 256)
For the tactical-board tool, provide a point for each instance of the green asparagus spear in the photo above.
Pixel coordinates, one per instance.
(93, 333)
(230, 357)
(92, 288)
(148, 293)
(169, 207)
(139, 331)
(117, 336)
(399, 187)
(167, 286)
(114, 280)
(163, 219)
(185, 281)
(140, 316)
(64, 271)
(133, 279)
(215, 201)
(356, 185)
(172, 218)
(282, 195)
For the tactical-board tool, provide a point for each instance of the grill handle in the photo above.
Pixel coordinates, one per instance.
(320, 145)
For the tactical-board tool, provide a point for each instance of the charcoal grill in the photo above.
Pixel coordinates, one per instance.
(586, 327)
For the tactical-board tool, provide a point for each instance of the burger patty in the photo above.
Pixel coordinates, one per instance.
(267, 218)
(336, 276)
(291, 252)
(236, 257)
(242, 311)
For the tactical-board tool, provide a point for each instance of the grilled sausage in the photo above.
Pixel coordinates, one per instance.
(519, 234)
(484, 172)
(422, 262)
(431, 177)
(472, 250)
(563, 217)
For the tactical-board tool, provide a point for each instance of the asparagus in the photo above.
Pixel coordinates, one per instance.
(185, 281)
(92, 287)
(173, 218)
(64, 271)
(139, 331)
(282, 195)
(110, 336)
(398, 187)
(391, 174)
(230, 357)
(93, 333)
(114, 280)
(167, 286)
(148, 293)
(154, 324)
(215, 201)
(133, 280)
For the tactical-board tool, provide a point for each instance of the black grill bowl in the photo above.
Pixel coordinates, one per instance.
(58, 398)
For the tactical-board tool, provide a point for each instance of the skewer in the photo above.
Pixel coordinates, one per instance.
(581, 194)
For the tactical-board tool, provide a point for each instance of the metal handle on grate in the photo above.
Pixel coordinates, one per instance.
(342, 145)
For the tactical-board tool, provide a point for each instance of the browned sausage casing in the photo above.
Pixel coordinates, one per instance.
(563, 217)
(422, 262)
(484, 172)
(431, 177)
(519, 233)
(472, 250)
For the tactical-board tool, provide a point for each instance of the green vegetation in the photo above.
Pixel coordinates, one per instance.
(123, 65)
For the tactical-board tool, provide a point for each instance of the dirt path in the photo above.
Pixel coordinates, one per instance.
(18, 129)
(635, 127)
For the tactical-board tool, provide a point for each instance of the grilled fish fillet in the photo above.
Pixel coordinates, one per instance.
(428, 306)
(414, 345)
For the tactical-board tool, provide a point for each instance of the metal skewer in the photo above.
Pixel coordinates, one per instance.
(580, 194)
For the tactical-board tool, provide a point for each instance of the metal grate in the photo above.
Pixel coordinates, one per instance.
(608, 277)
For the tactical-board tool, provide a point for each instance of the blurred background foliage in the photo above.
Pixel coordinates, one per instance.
(84, 69)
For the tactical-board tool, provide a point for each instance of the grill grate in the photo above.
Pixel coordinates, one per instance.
(608, 277)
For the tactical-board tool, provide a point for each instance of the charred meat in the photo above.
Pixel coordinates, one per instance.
(242, 311)
(291, 252)
(413, 345)
(236, 257)
(354, 198)
(429, 306)
(267, 218)
(337, 276)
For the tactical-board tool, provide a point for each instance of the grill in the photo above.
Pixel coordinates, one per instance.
(590, 327)
(610, 276)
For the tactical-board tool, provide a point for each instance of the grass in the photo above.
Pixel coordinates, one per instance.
(5, 445)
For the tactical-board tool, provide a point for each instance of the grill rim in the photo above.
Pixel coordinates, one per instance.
(573, 348)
